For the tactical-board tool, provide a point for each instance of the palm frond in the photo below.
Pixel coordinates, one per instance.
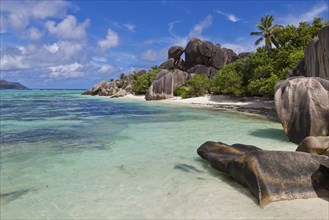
(260, 26)
(259, 41)
(274, 41)
(256, 33)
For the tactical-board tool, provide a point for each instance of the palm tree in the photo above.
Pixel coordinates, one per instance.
(266, 32)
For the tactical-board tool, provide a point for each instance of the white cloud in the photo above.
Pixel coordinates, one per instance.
(112, 40)
(152, 55)
(230, 17)
(129, 26)
(236, 47)
(106, 69)
(16, 15)
(17, 22)
(45, 9)
(69, 28)
(240, 44)
(72, 70)
(201, 26)
(316, 11)
(34, 34)
(3, 24)
(53, 48)
(13, 58)
(66, 68)
(99, 59)
(171, 27)
(12, 62)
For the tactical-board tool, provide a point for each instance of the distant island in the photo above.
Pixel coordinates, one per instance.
(11, 85)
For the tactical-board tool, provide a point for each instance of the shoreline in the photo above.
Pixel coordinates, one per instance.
(256, 106)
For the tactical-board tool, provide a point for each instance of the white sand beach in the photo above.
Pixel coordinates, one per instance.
(250, 105)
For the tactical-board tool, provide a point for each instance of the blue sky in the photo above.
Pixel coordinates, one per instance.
(75, 44)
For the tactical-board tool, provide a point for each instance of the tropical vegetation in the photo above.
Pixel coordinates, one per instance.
(257, 74)
(266, 31)
(254, 75)
(141, 83)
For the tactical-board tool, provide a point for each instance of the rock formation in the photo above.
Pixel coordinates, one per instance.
(315, 145)
(302, 105)
(207, 54)
(270, 175)
(11, 85)
(114, 88)
(316, 61)
(201, 69)
(168, 64)
(175, 52)
(202, 57)
(164, 84)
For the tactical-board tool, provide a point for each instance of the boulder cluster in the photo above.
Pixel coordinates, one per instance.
(114, 88)
(302, 105)
(201, 57)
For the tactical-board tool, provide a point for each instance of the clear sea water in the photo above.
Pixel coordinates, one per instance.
(67, 156)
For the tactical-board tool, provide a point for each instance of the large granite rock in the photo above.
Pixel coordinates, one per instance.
(207, 54)
(316, 60)
(11, 85)
(201, 69)
(270, 175)
(168, 64)
(315, 145)
(164, 84)
(114, 89)
(243, 55)
(175, 52)
(302, 105)
(103, 88)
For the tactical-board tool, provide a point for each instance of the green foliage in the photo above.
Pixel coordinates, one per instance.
(255, 75)
(181, 91)
(122, 76)
(141, 83)
(263, 86)
(229, 81)
(198, 85)
(264, 68)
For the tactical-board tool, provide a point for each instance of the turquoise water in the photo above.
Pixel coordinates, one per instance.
(67, 156)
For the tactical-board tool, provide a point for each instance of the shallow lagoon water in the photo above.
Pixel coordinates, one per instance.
(66, 156)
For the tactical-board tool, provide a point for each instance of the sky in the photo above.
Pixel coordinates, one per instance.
(57, 44)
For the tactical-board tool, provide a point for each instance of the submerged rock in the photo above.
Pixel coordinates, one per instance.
(302, 104)
(270, 175)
